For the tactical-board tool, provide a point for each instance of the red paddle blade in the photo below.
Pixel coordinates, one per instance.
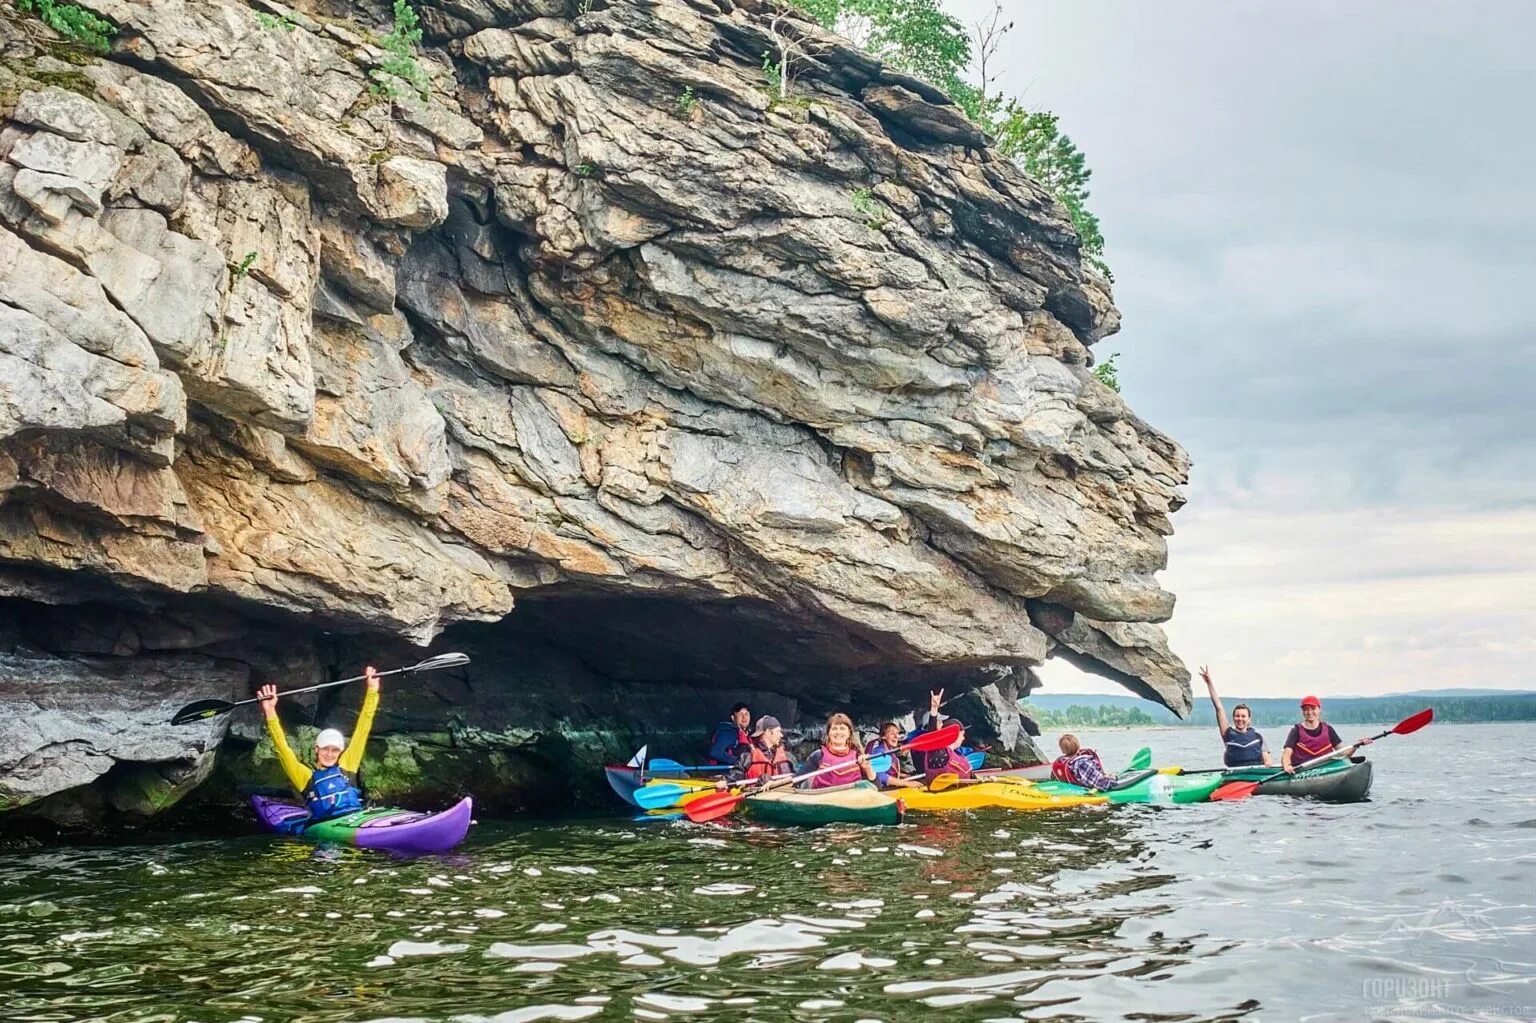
(711, 807)
(934, 740)
(1234, 790)
(1416, 722)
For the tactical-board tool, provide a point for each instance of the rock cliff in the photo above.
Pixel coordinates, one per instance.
(593, 359)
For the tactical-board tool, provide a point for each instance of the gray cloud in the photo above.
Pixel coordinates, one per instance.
(1323, 226)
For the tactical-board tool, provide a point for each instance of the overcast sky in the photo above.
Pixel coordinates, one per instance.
(1322, 221)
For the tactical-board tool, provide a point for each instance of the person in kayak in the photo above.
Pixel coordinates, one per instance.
(764, 755)
(731, 739)
(329, 788)
(1079, 766)
(1244, 745)
(886, 744)
(838, 750)
(944, 761)
(1312, 738)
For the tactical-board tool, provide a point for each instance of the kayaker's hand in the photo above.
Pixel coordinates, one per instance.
(372, 677)
(1205, 673)
(934, 699)
(1364, 742)
(267, 695)
(1289, 768)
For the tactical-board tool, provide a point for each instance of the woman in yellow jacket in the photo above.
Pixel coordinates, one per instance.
(330, 788)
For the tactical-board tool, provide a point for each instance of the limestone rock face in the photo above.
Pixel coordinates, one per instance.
(741, 396)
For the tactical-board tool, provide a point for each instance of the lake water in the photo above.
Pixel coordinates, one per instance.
(1415, 905)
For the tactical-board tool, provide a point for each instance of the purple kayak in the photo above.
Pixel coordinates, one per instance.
(398, 831)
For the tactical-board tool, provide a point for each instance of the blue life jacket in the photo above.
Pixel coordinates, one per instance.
(330, 793)
(1244, 749)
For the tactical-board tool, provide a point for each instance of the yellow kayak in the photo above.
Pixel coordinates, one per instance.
(1005, 795)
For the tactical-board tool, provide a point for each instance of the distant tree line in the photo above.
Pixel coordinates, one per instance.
(1088, 717)
(1383, 709)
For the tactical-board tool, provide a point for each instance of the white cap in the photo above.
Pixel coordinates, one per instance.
(331, 737)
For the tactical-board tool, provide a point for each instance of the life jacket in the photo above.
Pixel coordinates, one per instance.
(726, 755)
(847, 760)
(946, 761)
(1311, 744)
(768, 762)
(1062, 769)
(1245, 748)
(330, 793)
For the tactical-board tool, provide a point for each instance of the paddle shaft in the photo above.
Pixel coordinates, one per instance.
(327, 685)
(1238, 790)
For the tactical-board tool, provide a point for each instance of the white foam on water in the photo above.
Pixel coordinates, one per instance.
(417, 891)
(593, 1000)
(575, 870)
(490, 914)
(380, 961)
(546, 928)
(852, 961)
(1005, 854)
(533, 871)
(995, 982)
(962, 896)
(641, 960)
(724, 888)
(1000, 833)
(919, 850)
(83, 935)
(821, 1003)
(923, 914)
(402, 949)
(307, 889)
(673, 1003)
(507, 950)
(945, 1001)
(536, 967)
(754, 937)
(719, 842)
(534, 1013)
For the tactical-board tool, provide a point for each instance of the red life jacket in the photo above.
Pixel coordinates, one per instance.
(847, 760)
(765, 763)
(1060, 769)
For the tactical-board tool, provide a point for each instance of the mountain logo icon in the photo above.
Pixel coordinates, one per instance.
(1448, 920)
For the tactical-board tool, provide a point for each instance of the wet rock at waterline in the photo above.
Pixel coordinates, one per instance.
(622, 394)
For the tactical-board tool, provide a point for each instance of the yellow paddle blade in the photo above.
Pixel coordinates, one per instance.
(943, 781)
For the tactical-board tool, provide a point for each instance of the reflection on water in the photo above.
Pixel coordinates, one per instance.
(1416, 905)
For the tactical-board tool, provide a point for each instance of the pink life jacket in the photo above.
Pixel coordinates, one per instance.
(946, 761)
(848, 760)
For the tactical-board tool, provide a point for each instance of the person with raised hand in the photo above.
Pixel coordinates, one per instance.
(1244, 745)
(329, 789)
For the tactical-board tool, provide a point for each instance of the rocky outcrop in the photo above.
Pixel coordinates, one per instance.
(726, 394)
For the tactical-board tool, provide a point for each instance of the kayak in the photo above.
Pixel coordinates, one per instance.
(1034, 772)
(1338, 781)
(994, 794)
(397, 831)
(1149, 786)
(859, 803)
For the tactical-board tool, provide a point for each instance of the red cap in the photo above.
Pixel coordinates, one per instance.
(1311, 701)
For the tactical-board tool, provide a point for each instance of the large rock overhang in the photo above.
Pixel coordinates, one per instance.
(284, 352)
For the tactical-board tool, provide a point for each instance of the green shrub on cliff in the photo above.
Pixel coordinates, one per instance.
(918, 37)
(70, 21)
(400, 66)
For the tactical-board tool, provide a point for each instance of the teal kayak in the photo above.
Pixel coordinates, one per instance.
(859, 803)
(1338, 781)
(1147, 786)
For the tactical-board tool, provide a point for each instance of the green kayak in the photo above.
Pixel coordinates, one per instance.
(860, 803)
(1146, 787)
(1337, 781)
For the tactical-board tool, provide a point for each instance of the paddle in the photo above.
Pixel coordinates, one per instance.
(709, 808)
(654, 797)
(976, 759)
(1234, 790)
(1140, 761)
(661, 765)
(202, 710)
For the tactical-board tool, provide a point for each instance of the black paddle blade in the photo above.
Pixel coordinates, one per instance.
(440, 661)
(202, 710)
